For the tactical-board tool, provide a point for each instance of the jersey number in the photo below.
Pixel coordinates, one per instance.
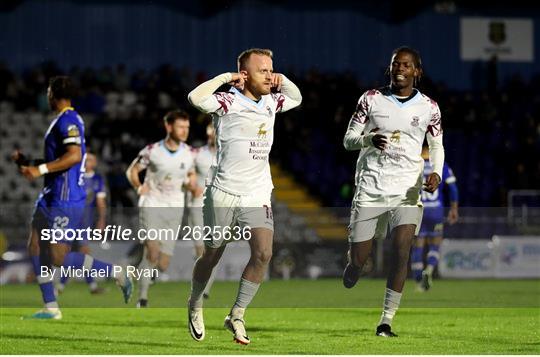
(60, 222)
(82, 171)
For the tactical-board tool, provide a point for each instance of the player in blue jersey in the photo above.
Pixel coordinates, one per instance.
(60, 205)
(433, 223)
(96, 202)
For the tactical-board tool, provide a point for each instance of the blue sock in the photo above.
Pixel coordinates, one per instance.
(46, 285)
(78, 260)
(74, 260)
(433, 255)
(417, 264)
(68, 261)
(89, 279)
(103, 266)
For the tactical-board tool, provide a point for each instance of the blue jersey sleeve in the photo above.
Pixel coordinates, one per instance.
(450, 180)
(70, 130)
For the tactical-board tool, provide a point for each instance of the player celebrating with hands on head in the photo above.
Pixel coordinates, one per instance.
(389, 127)
(169, 172)
(239, 184)
(61, 203)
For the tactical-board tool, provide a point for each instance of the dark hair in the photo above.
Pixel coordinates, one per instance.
(62, 87)
(416, 57)
(171, 116)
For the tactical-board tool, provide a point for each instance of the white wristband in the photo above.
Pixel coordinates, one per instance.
(43, 169)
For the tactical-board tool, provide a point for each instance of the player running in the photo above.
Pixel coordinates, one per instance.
(239, 184)
(169, 172)
(96, 200)
(61, 203)
(432, 224)
(204, 157)
(389, 127)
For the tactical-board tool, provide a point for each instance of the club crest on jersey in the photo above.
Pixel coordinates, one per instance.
(72, 130)
(261, 134)
(269, 110)
(415, 121)
(182, 166)
(396, 136)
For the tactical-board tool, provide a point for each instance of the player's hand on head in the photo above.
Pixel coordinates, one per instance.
(237, 81)
(277, 80)
(379, 141)
(432, 183)
(30, 172)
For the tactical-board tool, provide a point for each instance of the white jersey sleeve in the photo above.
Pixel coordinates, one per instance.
(204, 99)
(435, 140)
(143, 159)
(355, 138)
(289, 97)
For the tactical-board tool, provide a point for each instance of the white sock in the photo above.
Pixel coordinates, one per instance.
(391, 303)
(144, 281)
(246, 293)
(237, 312)
(92, 286)
(197, 290)
(120, 276)
(429, 269)
(53, 306)
(210, 282)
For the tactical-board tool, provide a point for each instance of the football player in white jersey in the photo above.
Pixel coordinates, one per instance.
(389, 127)
(169, 172)
(204, 158)
(239, 185)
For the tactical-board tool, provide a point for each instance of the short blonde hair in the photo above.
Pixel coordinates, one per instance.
(244, 56)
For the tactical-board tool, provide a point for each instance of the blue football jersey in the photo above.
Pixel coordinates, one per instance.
(94, 186)
(68, 185)
(436, 199)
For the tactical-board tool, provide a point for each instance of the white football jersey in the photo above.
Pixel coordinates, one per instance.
(244, 137)
(398, 168)
(166, 173)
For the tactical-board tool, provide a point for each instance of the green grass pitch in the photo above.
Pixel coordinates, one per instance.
(286, 317)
